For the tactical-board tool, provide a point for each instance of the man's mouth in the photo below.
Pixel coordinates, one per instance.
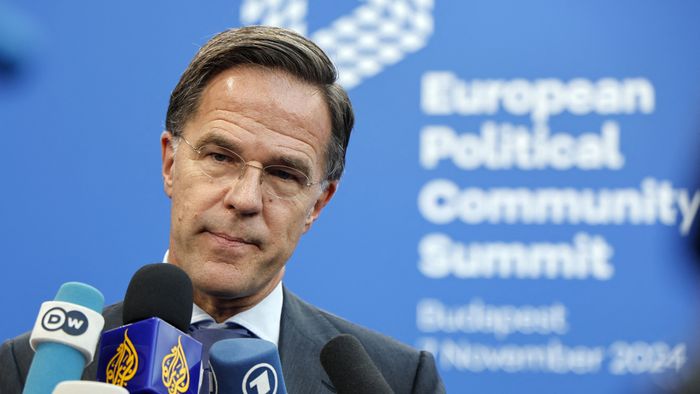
(232, 240)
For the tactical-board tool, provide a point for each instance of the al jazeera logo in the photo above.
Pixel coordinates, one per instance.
(176, 373)
(123, 365)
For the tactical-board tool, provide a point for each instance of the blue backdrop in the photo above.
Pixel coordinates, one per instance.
(520, 197)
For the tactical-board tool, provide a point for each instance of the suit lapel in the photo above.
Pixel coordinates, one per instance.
(303, 333)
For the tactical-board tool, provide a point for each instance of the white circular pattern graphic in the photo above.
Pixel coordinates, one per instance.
(375, 35)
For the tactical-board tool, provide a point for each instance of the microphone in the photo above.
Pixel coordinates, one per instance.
(64, 337)
(82, 387)
(246, 366)
(19, 39)
(150, 353)
(350, 368)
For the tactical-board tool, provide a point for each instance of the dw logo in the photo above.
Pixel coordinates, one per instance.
(261, 379)
(72, 322)
(375, 35)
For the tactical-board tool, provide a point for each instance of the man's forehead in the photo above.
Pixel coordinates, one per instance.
(243, 84)
(260, 100)
(257, 88)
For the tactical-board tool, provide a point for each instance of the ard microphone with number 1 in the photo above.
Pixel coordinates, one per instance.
(150, 353)
(64, 337)
(246, 365)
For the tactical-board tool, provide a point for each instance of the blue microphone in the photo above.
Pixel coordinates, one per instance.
(246, 366)
(64, 337)
(150, 353)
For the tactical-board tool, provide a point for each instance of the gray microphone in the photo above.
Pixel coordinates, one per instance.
(350, 368)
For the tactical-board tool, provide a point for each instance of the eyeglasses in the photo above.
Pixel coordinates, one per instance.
(226, 166)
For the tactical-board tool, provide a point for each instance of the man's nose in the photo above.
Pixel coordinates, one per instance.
(245, 190)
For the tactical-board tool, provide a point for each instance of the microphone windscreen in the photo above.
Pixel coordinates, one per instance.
(84, 387)
(159, 290)
(81, 294)
(350, 368)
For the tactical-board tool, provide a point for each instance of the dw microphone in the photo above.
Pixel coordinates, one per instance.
(64, 337)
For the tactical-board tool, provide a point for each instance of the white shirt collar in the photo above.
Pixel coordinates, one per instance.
(263, 319)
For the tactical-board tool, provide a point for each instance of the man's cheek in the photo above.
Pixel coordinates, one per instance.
(179, 208)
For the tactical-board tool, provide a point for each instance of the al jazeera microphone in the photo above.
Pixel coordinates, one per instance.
(151, 353)
(64, 337)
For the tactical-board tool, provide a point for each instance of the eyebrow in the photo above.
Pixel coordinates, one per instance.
(293, 162)
(217, 140)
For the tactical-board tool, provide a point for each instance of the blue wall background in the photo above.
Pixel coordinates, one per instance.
(82, 106)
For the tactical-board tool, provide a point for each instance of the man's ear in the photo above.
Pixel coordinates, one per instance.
(321, 202)
(168, 157)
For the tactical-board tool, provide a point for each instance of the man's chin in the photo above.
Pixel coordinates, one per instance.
(224, 283)
(230, 281)
(223, 291)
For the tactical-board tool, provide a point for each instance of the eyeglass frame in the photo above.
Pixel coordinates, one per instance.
(245, 164)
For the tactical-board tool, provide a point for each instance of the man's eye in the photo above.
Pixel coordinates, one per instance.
(218, 155)
(221, 157)
(285, 174)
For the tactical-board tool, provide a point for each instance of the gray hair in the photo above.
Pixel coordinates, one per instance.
(274, 48)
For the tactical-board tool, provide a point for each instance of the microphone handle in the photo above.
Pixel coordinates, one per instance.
(83, 387)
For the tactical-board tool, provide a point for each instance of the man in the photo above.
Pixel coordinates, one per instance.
(254, 149)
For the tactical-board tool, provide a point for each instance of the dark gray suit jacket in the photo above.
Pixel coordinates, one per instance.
(304, 330)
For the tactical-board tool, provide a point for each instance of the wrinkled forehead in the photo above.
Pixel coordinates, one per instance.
(264, 79)
(249, 87)
(257, 103)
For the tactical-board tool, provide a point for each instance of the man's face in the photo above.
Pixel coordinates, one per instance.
(232, 238)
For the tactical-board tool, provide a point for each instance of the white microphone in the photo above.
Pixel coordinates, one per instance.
(82, 387)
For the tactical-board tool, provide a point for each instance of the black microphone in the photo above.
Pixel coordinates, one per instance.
(151, 353)
(350, 368)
